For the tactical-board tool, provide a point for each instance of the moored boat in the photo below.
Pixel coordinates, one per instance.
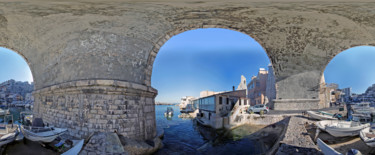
(169, 112)
(8, 132)
(368, 136)
(341, 128)
(320, 115)
(326, 149)
(40, 133)
(4, 112)
(77, 146)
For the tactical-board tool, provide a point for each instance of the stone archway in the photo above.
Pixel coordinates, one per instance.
(324, 90)
(97, 54)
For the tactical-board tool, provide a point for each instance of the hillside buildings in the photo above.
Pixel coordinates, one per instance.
(12, 92)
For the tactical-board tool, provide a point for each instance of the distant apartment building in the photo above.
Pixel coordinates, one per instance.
(214, 108)
(257, 87)
(346, 94)
(270, 86)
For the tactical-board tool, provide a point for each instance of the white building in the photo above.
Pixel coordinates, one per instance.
(185, 101)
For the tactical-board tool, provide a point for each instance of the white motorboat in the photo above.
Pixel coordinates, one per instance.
(341, 128)
(77, 146)
(8, 132)
(320, 115)
(326, 149)
(362, 118)
(361, 105)
(169, 112)
(4, 112)
(368, 136)
(42, 134)
(363, 108)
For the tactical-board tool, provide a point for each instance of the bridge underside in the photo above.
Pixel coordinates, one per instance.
(92, 61)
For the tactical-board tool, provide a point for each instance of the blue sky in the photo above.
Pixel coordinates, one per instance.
(205, 59)
(354, 67)
(13, 66)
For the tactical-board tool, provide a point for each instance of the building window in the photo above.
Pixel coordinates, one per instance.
(240, 101)
(220, 100)
(227, 100)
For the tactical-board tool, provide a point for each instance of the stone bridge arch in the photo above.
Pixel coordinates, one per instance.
(97, 54)
(322, 88)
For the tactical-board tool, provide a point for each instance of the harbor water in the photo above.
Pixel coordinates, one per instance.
(185, 136)
(181, 136)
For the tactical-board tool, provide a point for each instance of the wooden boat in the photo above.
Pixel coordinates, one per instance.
(8, 132)
(368, 136)
(320, 115)
(341, 128)
(169, 112)
(77, 147)
(326, 149)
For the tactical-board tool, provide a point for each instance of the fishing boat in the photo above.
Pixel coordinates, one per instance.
(26, 117)
(339, 128)
(169, 112)
(368, 136)
(321, 115)
(326, 149)
(40, 133)
(77, 147)
(8, 131)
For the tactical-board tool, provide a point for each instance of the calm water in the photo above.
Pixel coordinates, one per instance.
(184, 136)
(181, 136)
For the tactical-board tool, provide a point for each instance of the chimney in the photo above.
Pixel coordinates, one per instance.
(233, 88)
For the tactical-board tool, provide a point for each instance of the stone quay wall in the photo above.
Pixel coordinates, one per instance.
(296, 104)
(89, 106)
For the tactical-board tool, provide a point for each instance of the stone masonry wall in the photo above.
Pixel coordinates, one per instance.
(296, 104)
(99, 105)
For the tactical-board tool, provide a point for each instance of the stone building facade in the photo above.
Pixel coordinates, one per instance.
(257, 87)
(270, 87)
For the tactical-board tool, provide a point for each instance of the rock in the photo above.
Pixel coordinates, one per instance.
(135, 147)
(103, 143)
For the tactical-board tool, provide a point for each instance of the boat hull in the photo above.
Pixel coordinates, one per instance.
(45, 137)
(326, 149)
(8, 140)
(318, 116)
(340, 128)
(369, 141)
(75, 149)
